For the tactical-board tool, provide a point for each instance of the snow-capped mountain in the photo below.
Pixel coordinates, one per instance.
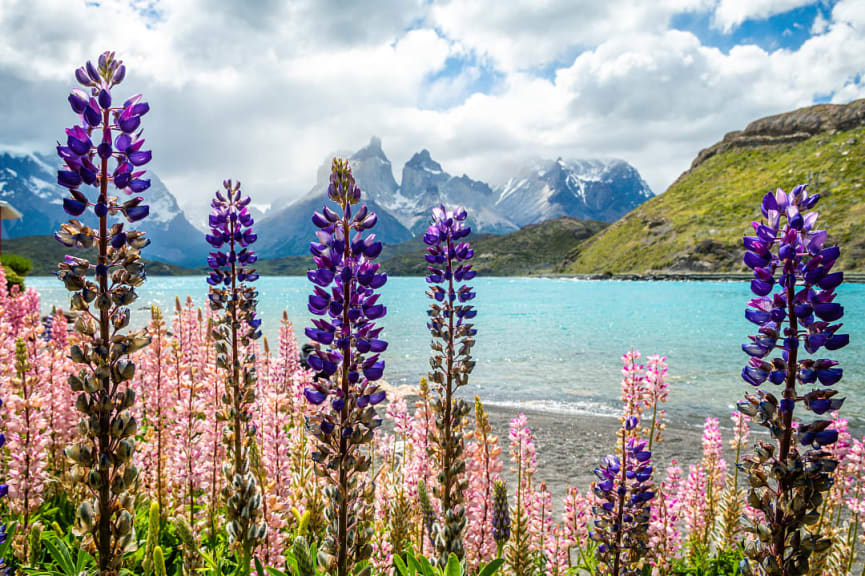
(586, 189)
(602, 190)
(29, 182)
(288, 229)
(425, 185)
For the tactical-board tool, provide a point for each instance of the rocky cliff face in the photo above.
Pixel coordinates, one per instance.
(789, 127)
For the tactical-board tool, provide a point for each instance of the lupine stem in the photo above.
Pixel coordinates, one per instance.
(104, 543)
(620, 512)
(784, 446)
(342, 534)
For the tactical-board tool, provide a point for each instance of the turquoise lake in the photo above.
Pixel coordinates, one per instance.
(555, 344)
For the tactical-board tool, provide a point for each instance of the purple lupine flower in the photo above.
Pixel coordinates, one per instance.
(448, 258)
(234, 299)
(621, 518)
(796, 314)
(501, 519)
(346, 358)
(91, 163)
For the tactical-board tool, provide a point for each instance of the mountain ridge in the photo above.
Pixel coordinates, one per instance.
(698, 223)
(606, 190)
(28, 182)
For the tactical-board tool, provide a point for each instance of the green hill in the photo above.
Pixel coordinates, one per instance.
(534, 249)
(45, 252)
(698, 223)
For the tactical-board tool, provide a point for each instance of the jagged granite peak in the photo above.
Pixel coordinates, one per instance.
(425, 185)
(423, 161)
(373, 172)
(29, 182)
(288, 229)
(592, 189)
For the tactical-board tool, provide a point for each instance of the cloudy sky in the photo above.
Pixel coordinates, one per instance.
(264, 90)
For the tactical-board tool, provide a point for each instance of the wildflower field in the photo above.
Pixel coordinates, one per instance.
(194, 446)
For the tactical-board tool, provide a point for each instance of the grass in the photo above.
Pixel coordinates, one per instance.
(45, 252)
(698, 223)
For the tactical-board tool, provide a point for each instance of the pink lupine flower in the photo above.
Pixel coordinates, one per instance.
(576, 519)
(556, 553)
(665, 538)
(187, 425)
(634, 393)
(155, 388)
(694, 504)
(713, 460)
(741, 431)
(656, 393)
(483, 470)
(541, 519)
(61, 417)
(522, 451)
(27, 436)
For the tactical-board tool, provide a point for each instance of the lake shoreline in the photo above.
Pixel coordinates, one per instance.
(849, 277)
(569, 448)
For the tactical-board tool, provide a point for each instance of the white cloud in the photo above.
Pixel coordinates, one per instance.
(264, 95)
(731, 13)
(521, 34)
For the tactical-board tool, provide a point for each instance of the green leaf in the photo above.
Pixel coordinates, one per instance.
(426, 568)
(60, 554)
(453, 567)
(492, 567)
(401, 567)
(275, 572)
(258, 569)
(412, 562)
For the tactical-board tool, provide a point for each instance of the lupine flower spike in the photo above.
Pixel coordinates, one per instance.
(624, 491)
(501, 519)
(102, 459)
(234, 299)
(789, 475)
(346, 360)
(453, 337)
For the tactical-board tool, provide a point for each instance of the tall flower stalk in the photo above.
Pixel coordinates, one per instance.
(451, 363)
(28, 441)
(233, 298)
(789, 475)
(346, 361)
(622, 515)
(103, 457)
(484, 469)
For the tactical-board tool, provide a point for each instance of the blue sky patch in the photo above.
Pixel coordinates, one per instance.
(786, 31)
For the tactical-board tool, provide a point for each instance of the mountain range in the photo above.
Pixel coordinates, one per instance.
(29, 183)
(600, 190)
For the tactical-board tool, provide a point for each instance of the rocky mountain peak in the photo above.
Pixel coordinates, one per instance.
(789, 127)
(423, 161)
(371, 150)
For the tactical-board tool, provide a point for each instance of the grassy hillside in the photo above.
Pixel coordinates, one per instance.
(698, 223)
(45, 252)
(535, 249)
